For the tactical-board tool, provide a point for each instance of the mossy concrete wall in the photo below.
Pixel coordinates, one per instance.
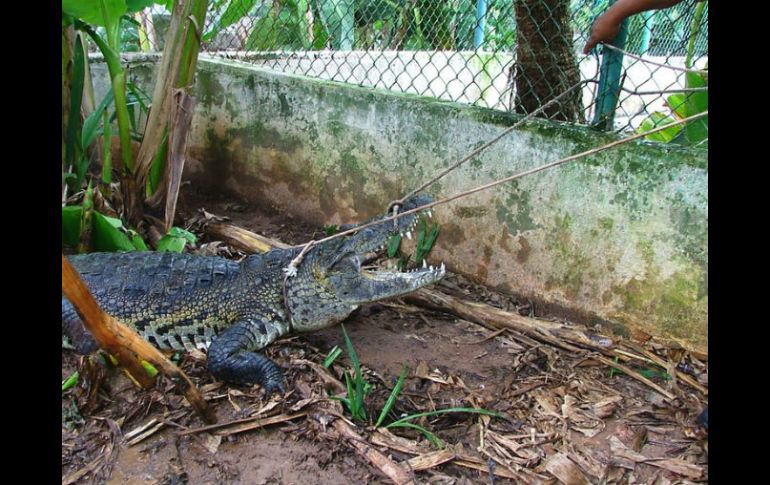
(619, 238)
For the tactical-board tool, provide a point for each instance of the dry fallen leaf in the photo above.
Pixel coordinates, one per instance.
(210, 442)
(560, 466)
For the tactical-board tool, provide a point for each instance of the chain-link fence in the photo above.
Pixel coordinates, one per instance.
(511, 55)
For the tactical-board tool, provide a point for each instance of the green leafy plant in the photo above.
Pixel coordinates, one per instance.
(109, 234)
(406, 421)
(426, 237)
(333, 354)
(427, 233)
(393, 396)
(176, 240)
(682, 105)
(686, 104)
(393, 244)
(357, 386)
(87, 16)
(113, 28)
(71, 381)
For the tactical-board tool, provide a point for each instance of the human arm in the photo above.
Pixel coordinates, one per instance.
(607, 25)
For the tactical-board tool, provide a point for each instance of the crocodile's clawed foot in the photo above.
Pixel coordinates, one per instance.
(246, 368)
(272, 386)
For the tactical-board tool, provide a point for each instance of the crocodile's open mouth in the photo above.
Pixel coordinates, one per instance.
(422, 275)
(355, 279)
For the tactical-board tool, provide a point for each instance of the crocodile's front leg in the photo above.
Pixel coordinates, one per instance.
(232, 356)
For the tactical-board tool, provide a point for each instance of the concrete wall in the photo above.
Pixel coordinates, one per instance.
(618, 239)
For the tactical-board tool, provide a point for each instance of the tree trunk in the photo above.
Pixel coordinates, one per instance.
(545, 60)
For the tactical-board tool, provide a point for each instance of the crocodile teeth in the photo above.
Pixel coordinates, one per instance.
(430, 213)
(431, 267)
(424, 264)
(443, 268)
(409, 235)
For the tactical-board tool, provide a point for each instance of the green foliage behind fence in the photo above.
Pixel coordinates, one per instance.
(444, 29)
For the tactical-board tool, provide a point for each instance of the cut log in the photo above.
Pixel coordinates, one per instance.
(243, 239)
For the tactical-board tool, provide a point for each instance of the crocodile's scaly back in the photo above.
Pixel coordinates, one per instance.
(233, 309)
(181, 301)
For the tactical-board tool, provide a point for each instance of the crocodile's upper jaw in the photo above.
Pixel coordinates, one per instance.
(359, 285)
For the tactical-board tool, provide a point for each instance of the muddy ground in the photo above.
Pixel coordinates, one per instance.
(566, 416)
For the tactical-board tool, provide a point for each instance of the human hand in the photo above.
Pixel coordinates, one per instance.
(605, 28)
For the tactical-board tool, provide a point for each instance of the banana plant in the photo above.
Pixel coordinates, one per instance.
(87, 14)
(104, 22)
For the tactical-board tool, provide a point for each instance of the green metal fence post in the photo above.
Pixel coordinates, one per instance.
(649, 21)
(481, 13)
(609, 81)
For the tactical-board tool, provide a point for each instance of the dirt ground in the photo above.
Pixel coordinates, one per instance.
(566, 416)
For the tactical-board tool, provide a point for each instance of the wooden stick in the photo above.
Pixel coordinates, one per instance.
(553, 333)
(388, 467)
(391, 469)
(125, 344)
(258, 423)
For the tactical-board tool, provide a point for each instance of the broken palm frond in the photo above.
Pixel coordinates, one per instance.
(384, 437)
(483, 467)
(124, 343)
(175, 71)
(142, 432)
(680, 467)
(560, 466)
(180, 119)
(323, 373)
(147, 432)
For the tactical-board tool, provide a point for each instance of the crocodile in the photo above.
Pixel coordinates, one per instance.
(233, 309)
